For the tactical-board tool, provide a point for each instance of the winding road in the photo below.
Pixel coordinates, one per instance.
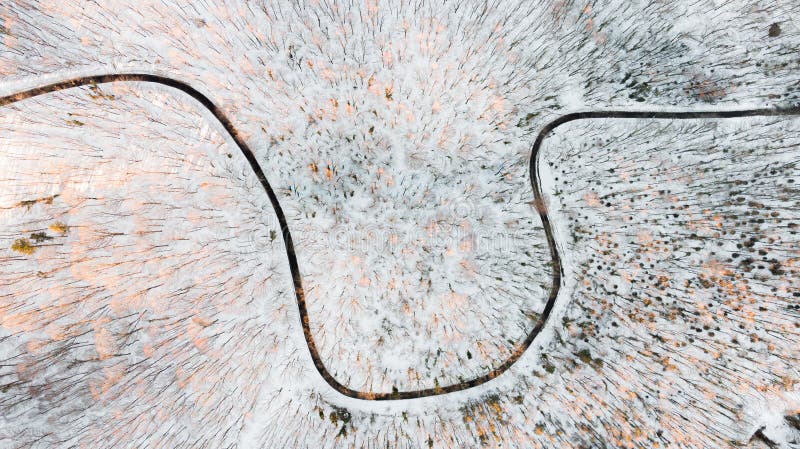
(287, 237)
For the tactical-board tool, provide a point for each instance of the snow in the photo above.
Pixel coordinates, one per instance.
(397, 136)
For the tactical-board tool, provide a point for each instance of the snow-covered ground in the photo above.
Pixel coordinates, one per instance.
(684, 241)
(141, 264)
(145, 293)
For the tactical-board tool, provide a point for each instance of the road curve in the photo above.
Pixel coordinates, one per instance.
(287, 237)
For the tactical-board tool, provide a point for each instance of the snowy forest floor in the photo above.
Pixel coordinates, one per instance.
(331, 204)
